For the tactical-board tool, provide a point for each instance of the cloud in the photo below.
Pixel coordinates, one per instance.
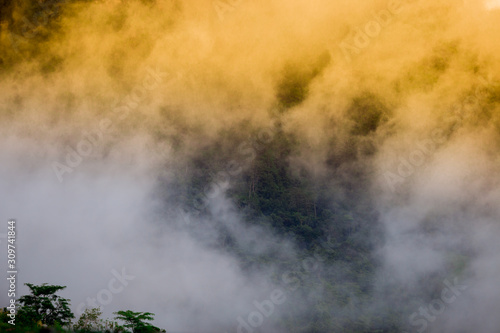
(392, 107)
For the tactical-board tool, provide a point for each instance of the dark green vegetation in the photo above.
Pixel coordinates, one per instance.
(331, 222)
(44, 311)
(293, 87)
(136, 321)
(45, 306)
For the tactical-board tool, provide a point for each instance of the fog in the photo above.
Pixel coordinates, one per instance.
(105, 110)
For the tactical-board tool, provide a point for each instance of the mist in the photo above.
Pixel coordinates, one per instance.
(133, 133)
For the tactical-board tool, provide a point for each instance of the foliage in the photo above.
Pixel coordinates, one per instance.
(330, 222)
(136, 321)
(44, 305)
(90, 321)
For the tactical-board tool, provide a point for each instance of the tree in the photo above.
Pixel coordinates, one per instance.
(45, 306)
(4, 321)
(90, 321)
(135, 321)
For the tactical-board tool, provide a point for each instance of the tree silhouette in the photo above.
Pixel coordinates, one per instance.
(44, 306)
(135, 321)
